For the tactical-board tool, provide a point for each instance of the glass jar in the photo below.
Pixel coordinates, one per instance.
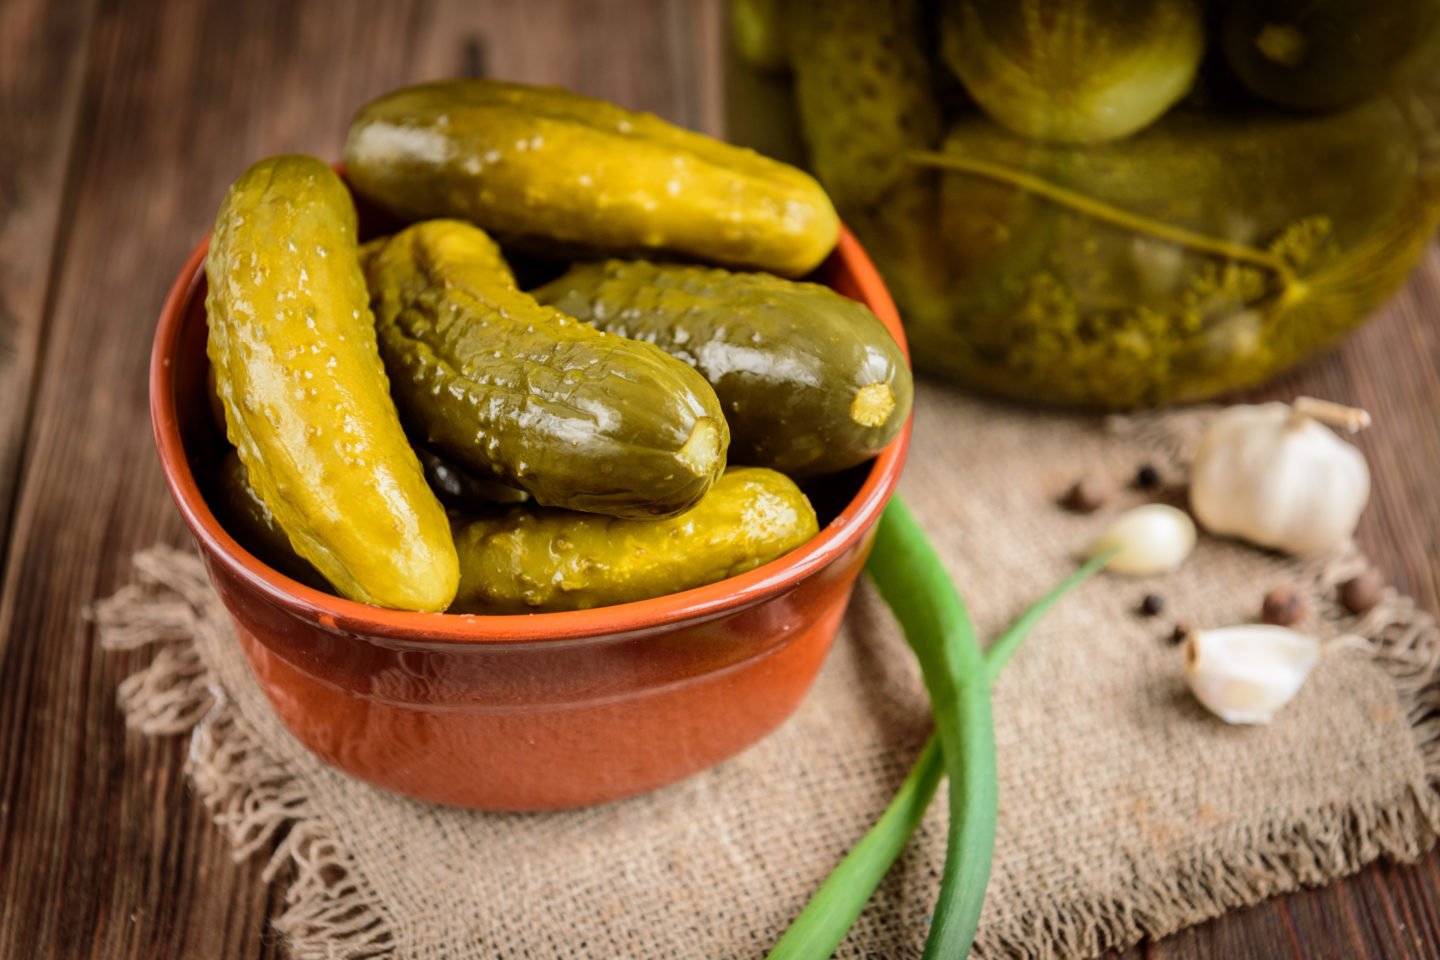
(1111, 203)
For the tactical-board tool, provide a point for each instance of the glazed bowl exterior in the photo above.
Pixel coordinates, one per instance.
(526, 712)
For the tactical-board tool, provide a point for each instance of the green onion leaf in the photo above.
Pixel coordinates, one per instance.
(826, 919)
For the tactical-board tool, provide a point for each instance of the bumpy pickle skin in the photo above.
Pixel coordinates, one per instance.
(1048, 301)
(864, 90)
(537, 560)
(513, 390)
(811, 382)
(306, 401)
(543, 167)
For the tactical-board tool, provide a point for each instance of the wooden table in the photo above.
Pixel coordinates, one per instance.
(121, 123)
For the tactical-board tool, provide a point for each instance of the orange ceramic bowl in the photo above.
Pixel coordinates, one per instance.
(525, 712)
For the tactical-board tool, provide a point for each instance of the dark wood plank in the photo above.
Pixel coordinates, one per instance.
(117, 858)
(39, 102)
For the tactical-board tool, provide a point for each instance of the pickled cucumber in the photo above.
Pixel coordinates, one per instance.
(1074, 71)
(1119, 274)
(510, 389)
(540, 166)
(247, 519)
(865, 92)
(757, 32)
(1328, 54)
(810, 381)
(536, 560)
(459, 488)
(306, 402)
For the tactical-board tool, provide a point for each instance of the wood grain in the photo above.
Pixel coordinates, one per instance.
(124, 122)
(38, 150)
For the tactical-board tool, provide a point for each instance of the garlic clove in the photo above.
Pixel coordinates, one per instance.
(1151, 539)
(1245, 674)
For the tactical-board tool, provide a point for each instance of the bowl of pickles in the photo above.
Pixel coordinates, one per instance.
(534, 450)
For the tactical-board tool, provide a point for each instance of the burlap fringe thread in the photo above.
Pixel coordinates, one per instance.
(330, 912)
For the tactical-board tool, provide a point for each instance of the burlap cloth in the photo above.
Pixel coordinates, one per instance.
(1126, 810)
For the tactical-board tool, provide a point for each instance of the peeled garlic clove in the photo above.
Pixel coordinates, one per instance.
(1246, 674)
(1152, 539)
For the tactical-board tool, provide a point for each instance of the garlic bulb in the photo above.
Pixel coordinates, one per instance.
(1152, 539)
(1246, 674)
(1274, 475)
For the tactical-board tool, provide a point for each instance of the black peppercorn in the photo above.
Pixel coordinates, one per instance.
(1283, 607)
(1147, 477)
(1085, 495)
(1361, 594)
(1152, 604)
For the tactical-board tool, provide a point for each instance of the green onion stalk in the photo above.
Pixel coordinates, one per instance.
(957, 675)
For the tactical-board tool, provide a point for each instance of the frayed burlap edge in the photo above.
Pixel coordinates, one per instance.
(1268, 858)
(331, 912)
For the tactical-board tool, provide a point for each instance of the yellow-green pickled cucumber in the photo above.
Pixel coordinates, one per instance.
(1120, 274)
(535, 560)
(811, 382)
(459, 488)
(1328, 54)
(253, 526)
(757, 32)
(541, 166)
(864, 91)
(1074, 71)
(521, 392)
(292, 343)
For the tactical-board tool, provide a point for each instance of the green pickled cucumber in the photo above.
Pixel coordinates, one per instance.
(511, 389)
(757, 32)
(540, 166)
(1074, 71)
(1329, 54)
(865, 92)
(810, 381)
(253, 526)
(535, 560)
(459, 488)
(1119, 275)
(292, 343)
